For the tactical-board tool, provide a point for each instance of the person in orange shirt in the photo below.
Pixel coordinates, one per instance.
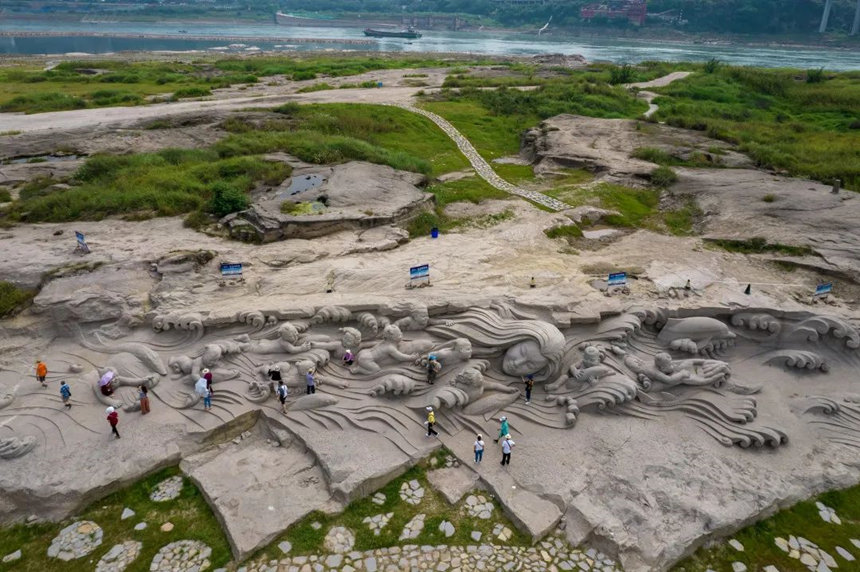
(41, 372)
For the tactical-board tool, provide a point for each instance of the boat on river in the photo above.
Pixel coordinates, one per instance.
(409, 33)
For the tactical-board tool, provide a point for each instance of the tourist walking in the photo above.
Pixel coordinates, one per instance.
(207, 375)
(529, 380)
(143, 395)
(479, 449)
(41, 373)
(433, 367)
(66, 394)
(431, 422)
(274, 373)
(201, 389)
(507, 447)
(503, 430)
(348, 357)
(311, 381)
(113, 419)
(282, 396)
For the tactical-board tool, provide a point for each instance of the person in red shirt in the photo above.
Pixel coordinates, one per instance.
(113, 419)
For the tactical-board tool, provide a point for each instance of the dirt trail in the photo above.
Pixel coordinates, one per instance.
(648, 96)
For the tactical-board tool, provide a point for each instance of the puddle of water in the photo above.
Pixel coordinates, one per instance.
(301, 184)
(43, 159)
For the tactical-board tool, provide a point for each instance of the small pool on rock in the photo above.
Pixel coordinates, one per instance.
(43, 159)
(302, 183)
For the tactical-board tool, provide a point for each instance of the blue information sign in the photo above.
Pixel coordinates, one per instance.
(823, 289)
(82, 243)
(417, 272)
(617, 279)
(231, 269)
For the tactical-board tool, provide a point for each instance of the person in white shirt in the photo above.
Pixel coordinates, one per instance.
(201, 388)
(282, 395)
(507, 446)
(479, 449)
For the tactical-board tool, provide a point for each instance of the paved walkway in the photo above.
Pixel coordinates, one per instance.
(484, 170)
(648, 96)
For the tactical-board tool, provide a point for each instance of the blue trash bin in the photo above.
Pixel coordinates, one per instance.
(434, 232)
(379, 84)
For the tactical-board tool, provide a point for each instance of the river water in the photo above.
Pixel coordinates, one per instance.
(273, 37)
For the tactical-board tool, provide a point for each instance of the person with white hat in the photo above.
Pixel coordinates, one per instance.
(431, 422)
(113, 419)
(507, 447)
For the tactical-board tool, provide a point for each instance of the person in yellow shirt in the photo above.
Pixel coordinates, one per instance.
(431, 422)
(41, 372)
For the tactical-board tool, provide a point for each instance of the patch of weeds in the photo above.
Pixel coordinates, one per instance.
(663, 177)
(12, 300)
(9, 133)
(714, 150)
(323, 86)
(470, 189)
(760, 245)
(564, 231)
(5, 196)
(422, 224)
(482, 221)
(189, 92)
(38, 187)
(681, 221)
(197, 220)
(297, 209)
(291, 108)
(769, 198)
(514, 173)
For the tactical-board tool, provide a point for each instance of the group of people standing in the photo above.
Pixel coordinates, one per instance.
(479, 445)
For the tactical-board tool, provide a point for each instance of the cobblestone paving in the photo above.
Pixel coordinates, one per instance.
(478, 507)
(413, 528)
(76, 540)
(411, 492)
(119, 556)
(339, 539)
(484, 170)
(182, 556)
(377, 522)
(551, 554)
(168, 489)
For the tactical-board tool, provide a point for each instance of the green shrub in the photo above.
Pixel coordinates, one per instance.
(303, 75)
(42, 102)
(621, 74)
(712, 65)
(769, 198)
(422, 224)
(322, 86)
(565, 231)
(663, 177)
(290, 108)
(197, 220)
(13, 298)
(815, 76)
(226, 199)
(187, 92)
(5, 196)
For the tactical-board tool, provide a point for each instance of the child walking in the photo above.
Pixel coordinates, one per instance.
(431, 422)
(529, 380)
(143, 395)
(66, 394)
(282, 396)
(41, 372)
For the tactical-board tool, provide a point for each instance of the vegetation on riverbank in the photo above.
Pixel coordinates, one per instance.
(217, 180)
(469, 189)
(806, 124)
(801, 520)
(190, 515)
(102, 83)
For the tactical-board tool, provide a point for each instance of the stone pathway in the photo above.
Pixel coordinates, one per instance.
(413, 528)
(809, 554)
(412, 492)
(378, 499)
(167, 489)
(377, 522)
(76, 540)
(502, 532)
(119, 556)
(648, 96)
(484, 170)
(478, 507)
(551, 554)
(182, 556)
(339, 539)
(827, 514)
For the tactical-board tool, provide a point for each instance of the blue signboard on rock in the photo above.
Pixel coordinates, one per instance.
(230, 270)
(617, 279)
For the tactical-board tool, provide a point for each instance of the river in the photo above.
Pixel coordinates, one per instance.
(106, 37)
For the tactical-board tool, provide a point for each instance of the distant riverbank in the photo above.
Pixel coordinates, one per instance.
(40, 36)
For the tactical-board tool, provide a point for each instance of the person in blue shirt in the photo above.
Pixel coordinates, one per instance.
(66, 394)
(309, 378)
(503, 430)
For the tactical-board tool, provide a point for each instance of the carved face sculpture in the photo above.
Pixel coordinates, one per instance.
(523, 358)
(663, 362)
(392, 334)
(590, 357)
(211, 354)
(469, 378)
(288, 333)
(463, 347)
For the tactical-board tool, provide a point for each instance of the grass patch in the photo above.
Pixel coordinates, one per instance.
(322, 86)
(5, 196)
(190, 515)
(759, 245)
(298, 209)
(776, 117)
(12, 300)
(514, 173)
(663, 177)
(769, 198)
(166, 183)
(800, 520)
(565, 231)
(473, 190)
